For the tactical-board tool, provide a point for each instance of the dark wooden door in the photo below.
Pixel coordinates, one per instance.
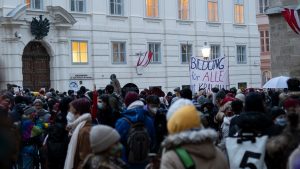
(36, 69)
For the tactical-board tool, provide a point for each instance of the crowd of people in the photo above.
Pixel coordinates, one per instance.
(126, 128)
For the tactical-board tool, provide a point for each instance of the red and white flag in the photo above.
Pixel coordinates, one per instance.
(292, 18)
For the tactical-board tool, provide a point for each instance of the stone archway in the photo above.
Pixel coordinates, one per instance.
(36, 66)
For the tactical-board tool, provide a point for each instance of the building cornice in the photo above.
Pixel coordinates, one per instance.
(278, 9)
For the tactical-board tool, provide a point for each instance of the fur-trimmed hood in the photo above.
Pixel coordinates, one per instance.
(189, 137)
(198, 143)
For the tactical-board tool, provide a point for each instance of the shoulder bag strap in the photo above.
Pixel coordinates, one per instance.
(185, 158)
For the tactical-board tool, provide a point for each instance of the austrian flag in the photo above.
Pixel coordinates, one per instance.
(292, 18)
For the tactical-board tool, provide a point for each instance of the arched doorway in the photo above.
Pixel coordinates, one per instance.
(36, 68)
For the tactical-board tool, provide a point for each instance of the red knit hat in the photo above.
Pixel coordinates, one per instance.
(290, 102)
(81, 105)
(227, 99)
(130, 98)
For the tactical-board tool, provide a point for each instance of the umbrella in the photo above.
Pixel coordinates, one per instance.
(277, 83)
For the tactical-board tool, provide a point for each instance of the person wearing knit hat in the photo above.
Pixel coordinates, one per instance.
(135, 114)
(130, 98)
(106, 149)
(184, 118)
(187, 135)
(241, 97)
(79, 129)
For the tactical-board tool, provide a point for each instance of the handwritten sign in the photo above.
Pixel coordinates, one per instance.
(207, 74)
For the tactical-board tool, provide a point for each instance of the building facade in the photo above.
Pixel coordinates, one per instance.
(285, 43)
(91, 39)
(264, 32)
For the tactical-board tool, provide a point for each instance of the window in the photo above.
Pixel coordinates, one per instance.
(242, 85)
(214, 51)
(78, 5)
(79, 52)
(241, 54)
(116, 7)
(213, 11)
(34, 4)
(183, 9)
(152, 8)
(239, 11)
(186, 53)
(119, 52)
(155, 49)
(264, 41)
(266, 77)
(263, 6)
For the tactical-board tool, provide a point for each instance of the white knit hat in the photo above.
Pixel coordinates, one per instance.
(177, 105)
(102, 137)
(241, 97)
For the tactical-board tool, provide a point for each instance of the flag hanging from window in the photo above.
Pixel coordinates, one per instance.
(292, 18)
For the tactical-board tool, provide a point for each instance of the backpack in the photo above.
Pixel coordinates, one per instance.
(138, 143)
(246, 151)
(185, 158)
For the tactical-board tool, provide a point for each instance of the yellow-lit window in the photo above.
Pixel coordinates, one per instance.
(239, 11)
(79, 52)
(213, 11)
(183, 9)
(152, 8)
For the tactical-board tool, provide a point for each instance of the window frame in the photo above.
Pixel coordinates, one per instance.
(264, 41)
(211, 52)
(76, 6)
(263, 5)
(115, 7)
(188, 58)
(119, 53)
(87, 52)
(208, 11)
(179, 4)
(245, 52)
(153, 11)
(266, 76)
(31, 5)
(154, 52)
(238, 18)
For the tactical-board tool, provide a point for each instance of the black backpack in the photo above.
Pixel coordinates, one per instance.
(138, 143)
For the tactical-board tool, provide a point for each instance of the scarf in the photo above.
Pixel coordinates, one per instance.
(75, 126)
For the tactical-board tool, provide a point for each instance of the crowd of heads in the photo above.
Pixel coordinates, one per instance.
(214, 115)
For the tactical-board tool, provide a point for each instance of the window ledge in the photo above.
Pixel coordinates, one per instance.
(184, 22)
(155, 63)
(239, 25)
(36, 10)
(213, 24)
(78, 13)
(117, 17)
(79, 64)
(153, 19)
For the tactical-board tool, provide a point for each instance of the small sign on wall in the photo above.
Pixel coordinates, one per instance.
(85, 76)
(73, 85)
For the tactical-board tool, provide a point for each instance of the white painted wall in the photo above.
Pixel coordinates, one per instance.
(99, 29)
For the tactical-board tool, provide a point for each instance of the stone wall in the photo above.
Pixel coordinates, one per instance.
(274, 3)
(285, 45)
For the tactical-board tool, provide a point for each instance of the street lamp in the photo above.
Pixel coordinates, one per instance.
(205, 51)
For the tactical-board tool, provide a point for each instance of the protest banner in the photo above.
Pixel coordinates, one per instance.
(207, 74)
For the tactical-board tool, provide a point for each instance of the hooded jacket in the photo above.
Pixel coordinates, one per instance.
(252, 122)
(134, 113)
(199, 144)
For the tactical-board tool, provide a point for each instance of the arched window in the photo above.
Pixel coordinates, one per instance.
(266, 76)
